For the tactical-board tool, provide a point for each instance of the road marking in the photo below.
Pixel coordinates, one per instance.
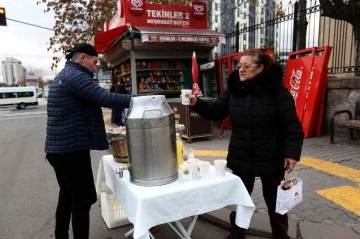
(211, 153)
(27, 117)
(23, 113)
(332, 168)
(319, 164)
(105, 119)
(346, 196)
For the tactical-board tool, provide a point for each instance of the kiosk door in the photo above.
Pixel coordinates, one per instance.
(224, 73)
(208, 79)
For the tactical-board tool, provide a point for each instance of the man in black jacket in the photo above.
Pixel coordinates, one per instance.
(75, 126)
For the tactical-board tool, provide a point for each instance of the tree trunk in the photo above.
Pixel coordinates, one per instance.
(302, 26)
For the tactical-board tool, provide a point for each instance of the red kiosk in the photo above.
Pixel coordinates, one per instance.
(151, 45)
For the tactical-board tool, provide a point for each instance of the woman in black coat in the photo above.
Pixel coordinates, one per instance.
(267, 136)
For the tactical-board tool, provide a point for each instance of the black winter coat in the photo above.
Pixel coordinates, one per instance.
(265, 127)
(75, 120)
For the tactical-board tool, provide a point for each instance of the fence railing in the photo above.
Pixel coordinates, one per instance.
(316, 24)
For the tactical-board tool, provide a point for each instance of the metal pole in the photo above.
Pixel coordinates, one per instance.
(237, 39)
(295, 28)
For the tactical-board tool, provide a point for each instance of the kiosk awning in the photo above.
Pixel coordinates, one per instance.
(104, 40)
(155, 34)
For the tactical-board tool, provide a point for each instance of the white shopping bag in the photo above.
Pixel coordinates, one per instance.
(288, 199)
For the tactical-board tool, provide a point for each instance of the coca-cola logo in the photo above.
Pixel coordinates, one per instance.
(137, 6)
(198, 9)
(295, 80)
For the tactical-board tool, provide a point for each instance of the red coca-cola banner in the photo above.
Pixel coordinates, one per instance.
(305, 78)
(297, 75)
(321, 60)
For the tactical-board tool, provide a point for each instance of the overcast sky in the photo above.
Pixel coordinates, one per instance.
(26, 43)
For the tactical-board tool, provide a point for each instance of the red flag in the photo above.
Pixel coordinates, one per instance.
(195, 77)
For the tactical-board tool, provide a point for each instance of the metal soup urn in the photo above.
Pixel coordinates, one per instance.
(151, 139)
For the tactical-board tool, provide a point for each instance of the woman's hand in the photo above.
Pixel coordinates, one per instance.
(192, 98)
(289, 164)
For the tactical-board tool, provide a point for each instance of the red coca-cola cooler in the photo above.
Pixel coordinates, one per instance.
(305, 78)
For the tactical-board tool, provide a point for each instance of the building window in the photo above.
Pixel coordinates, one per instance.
(244, 47)
(262, 41)
(216, 18)
(216, 29)
(244, 4)
(216, 6)
(244, 15)
(238, 12)
(244, 36)
(262, 20)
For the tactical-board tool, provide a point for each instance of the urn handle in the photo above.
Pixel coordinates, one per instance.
(144, 119)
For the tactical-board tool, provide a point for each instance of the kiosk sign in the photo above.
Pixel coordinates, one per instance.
(139, 13)
(184, 38)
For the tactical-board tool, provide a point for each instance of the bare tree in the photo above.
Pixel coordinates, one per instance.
(76, 21)
(345, 10)
(79, 20)
(38, 72)
(41, 82)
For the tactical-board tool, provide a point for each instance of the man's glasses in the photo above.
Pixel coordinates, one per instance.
(240, 65)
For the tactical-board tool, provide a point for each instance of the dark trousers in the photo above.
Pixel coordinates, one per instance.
(77, 193)
(278, 222)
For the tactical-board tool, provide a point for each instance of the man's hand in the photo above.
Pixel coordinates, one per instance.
(289, 164)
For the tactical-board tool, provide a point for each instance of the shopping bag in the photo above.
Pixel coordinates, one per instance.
(288, 199)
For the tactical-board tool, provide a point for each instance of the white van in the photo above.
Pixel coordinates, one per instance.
(18, 96)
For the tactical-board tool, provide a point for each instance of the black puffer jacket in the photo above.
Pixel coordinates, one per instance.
(265, 127)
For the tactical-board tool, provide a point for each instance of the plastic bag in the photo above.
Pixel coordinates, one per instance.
(289, 194)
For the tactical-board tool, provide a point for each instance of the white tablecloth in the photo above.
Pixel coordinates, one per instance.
(150, 206)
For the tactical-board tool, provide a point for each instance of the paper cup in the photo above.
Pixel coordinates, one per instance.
(194, 168)
(204, 168)
(220, 167)
(185, 97)
(186, 172)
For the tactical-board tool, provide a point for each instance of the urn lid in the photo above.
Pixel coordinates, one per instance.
(147, 107)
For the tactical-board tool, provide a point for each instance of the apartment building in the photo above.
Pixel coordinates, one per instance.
(12, 70)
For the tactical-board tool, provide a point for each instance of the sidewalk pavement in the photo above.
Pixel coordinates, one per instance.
(331, 195)
(316, 217)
